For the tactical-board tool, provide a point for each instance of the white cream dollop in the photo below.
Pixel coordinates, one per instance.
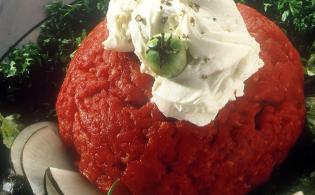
(222, 53)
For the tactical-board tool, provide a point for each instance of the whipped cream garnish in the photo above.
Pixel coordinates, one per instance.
(222, 53)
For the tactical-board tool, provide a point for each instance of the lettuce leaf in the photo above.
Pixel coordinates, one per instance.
(9, 129)
(310, 63)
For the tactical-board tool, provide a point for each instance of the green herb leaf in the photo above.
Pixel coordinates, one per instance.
(285, 15)
(299, 14)
(267, 6)
(20, 60)
(309, 65)
(67, 26)
(9, 129)
(310, 114)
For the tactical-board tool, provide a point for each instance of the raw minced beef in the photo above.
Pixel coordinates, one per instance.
(106, 117)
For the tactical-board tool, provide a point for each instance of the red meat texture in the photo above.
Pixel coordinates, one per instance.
(106, 117)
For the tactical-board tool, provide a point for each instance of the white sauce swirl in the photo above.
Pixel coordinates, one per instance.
(223, 54)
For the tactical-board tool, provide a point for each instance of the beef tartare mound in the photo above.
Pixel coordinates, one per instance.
(106, 116)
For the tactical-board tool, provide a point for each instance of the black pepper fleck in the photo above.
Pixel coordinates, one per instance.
(182, 13)
(164, 19)
(192, 21)
(204, 77)
(194, 6)
(185, 36)
(138, 18)
(166, 2)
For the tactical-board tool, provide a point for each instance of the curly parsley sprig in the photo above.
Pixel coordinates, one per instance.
(67, 26)
(296, 14)
(20, 61)
(31, 75)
